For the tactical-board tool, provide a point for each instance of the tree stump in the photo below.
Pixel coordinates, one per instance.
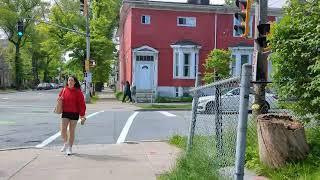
(281, 139)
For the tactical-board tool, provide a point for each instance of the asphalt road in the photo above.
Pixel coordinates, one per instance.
(26, 119)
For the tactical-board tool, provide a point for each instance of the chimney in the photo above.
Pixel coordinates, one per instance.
(199, 2)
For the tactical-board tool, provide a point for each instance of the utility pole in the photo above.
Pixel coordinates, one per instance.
(260, 65)
(87, 74)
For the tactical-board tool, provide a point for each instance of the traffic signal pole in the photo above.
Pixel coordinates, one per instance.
(259, 70)
(87, 75)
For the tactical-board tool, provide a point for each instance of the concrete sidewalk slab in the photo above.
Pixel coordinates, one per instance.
(114, 161)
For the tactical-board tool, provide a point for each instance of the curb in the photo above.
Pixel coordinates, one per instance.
(164, 109)
(18, 148)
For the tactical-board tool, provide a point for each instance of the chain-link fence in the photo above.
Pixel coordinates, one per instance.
(215, 116)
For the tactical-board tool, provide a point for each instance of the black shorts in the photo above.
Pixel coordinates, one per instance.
(70, 115)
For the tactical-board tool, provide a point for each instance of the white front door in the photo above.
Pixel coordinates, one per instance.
(144, 75)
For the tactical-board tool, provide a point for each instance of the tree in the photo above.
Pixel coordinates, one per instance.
(217, 65)
(295, 43)
(11, 12)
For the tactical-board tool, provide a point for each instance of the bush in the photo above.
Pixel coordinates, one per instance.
(119, 95)
(295, 44)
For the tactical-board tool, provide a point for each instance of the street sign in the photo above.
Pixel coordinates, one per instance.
(88, 77)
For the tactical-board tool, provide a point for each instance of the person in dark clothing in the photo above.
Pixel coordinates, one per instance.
(127, 92)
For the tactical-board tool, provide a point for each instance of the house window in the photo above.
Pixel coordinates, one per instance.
(244, 59)
(145, 19)
(176, 62)
(196, 65)
(233, 65)
(186, 65)
(144, 58)
(238, 22)
(187, 21)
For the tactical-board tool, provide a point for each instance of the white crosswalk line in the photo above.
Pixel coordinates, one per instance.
(167, 113)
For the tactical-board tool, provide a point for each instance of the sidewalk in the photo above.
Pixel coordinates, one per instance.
(107, 101)
(117, 162)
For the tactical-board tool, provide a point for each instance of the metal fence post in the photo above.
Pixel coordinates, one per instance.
(193, 113)
(218, 120)
(243, 119)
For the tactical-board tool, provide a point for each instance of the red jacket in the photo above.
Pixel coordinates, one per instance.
(73, 101)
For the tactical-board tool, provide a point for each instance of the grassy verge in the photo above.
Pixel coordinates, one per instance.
(164, 106)
(119, 95)
(192, 166)
(7, 90)
(173, 100)
(307, 169)
(94, 99)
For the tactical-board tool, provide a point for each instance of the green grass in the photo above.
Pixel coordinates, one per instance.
(306, 169)
(195, 165)
(173, 100)
(119, 95)
(94, 99)
(164, 106)
(202, 163)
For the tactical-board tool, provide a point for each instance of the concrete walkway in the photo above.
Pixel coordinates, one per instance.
(125, 161)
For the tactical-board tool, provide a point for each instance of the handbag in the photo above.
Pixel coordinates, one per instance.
(58, 109)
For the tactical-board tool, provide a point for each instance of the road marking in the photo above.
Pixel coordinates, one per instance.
(126, 128)
(55, 136)
(167, 114)
(5, 98)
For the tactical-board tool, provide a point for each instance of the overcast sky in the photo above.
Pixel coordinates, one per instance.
(272, 3)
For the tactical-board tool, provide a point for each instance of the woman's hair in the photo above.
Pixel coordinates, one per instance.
(76, 82)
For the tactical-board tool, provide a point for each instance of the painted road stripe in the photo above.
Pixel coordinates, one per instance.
(167, 114)
(55, 136)
(126, 128)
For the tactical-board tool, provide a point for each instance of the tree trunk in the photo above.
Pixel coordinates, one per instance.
(281, 139)
(18, 69)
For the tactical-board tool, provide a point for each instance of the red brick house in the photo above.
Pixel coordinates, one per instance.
(164, 44)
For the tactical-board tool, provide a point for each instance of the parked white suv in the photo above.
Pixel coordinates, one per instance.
(230, 101)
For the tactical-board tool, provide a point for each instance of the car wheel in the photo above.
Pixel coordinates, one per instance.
(209, 108)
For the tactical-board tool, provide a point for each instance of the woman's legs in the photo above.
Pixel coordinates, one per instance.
(64, 126)
(124, 97)
(72, 128)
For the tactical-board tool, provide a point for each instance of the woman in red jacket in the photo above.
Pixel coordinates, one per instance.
(73, 106)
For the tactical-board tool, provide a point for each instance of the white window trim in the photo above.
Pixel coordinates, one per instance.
(146, 17)
(250, 24)
(237, 52)
(194, 61)
(187, 25)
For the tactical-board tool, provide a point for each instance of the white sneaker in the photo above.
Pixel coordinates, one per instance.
(69, 151)
(64, 148)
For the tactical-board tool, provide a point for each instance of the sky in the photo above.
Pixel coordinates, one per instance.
(272, 3)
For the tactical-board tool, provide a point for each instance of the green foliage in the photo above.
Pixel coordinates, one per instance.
(173, 100)
(217, 65)
(295, 43)
(307, 169)
(10, 13)
(198, 164)
(119, 95)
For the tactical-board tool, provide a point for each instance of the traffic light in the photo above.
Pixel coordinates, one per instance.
(81, 5)
(263, 29)
(20, 28)
(243, 17)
